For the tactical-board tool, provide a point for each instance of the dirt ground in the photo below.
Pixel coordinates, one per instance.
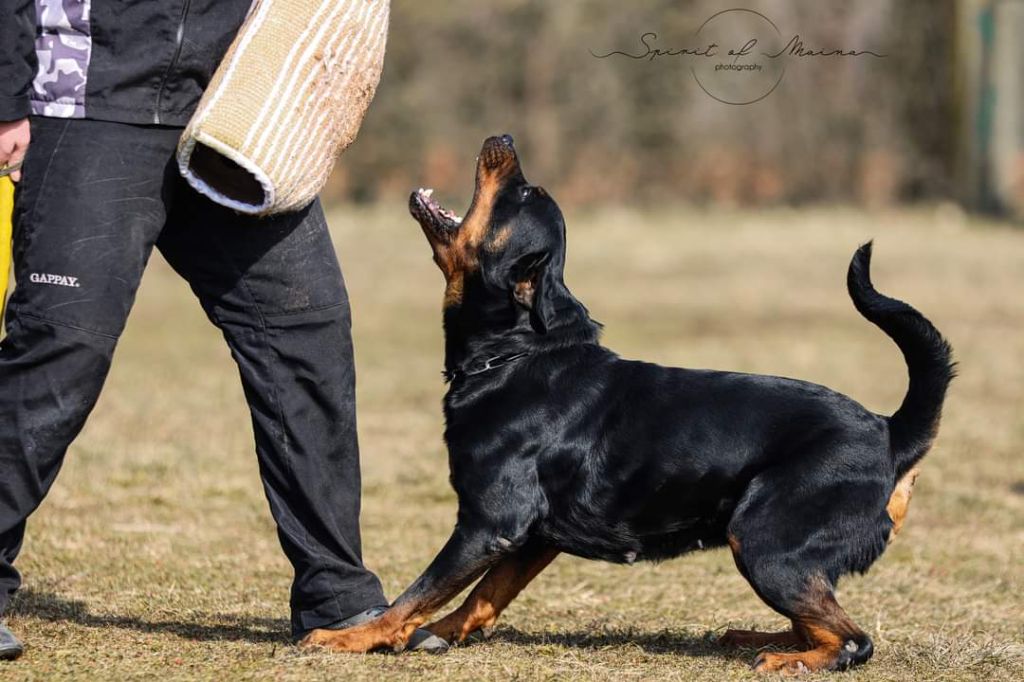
(155, 554)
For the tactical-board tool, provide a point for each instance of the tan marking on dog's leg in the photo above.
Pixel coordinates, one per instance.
(387, 631)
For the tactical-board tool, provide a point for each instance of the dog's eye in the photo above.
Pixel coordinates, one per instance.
(525, 193)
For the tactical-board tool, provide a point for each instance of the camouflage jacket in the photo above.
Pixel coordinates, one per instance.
(141, 61)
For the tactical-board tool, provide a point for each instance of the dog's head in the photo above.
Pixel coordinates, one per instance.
(510, 247)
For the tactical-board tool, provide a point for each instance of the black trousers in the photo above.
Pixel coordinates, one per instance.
(94, 199)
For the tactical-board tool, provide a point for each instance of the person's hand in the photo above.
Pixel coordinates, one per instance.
(14, 139)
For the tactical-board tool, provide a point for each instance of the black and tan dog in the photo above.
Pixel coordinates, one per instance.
(558, 445)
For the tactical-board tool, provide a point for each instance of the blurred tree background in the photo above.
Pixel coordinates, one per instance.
(853, 130)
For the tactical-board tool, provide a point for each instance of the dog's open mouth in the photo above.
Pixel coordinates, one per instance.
(437, 220)
(497, 161)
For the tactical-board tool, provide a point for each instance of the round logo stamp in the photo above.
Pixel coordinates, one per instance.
(741, 68)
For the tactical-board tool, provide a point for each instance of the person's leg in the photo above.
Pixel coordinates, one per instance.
(87, 212)
(275, 289)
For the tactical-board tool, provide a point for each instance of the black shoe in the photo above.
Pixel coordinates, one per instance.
(421, 640)
(11, 647)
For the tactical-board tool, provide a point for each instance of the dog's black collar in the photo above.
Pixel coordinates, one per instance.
(495, 362)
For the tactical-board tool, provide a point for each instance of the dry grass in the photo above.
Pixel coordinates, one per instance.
(155, 554)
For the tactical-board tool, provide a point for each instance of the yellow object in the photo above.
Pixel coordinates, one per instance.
(287, 99)
(6, 211)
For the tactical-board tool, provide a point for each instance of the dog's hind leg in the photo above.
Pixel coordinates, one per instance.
(794, 533)
(827, 639)
(493, 593)
(833, 641)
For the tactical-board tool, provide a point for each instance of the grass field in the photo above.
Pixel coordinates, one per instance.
(155, 555)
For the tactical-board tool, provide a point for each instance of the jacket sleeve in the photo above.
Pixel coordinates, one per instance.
(17, 57)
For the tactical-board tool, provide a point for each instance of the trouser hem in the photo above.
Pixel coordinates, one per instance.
(332, 610)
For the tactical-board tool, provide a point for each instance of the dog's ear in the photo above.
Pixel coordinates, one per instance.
(530, 284)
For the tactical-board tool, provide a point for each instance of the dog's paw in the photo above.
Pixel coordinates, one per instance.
(792, 664)
(347, 641)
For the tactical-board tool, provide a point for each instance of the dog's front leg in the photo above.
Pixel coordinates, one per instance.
(466, 555)
(491, 595)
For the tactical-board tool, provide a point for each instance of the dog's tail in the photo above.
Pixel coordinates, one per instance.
(929, 362)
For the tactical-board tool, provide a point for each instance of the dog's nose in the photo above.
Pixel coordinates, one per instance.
(497, 151)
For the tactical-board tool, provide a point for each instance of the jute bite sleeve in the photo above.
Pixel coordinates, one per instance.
(287, 99)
